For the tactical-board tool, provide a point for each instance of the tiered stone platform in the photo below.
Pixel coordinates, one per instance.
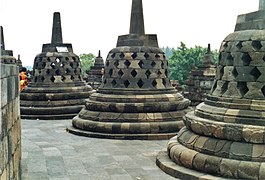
(136, 99)
(57, 90)
(224, 136)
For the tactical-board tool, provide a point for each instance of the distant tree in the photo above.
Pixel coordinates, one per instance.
(86, 60)
(168, 51)
(184, 59)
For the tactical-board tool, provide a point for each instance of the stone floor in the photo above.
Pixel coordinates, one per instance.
(49, 152)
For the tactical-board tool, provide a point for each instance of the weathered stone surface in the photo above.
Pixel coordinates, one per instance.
(136, 97)
(10, 128)
(57, 90)
(229, 124)
(201, 79)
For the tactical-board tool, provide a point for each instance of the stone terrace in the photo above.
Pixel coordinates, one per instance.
(49, 152)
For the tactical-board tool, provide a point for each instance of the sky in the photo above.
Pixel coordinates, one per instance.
(92, 25)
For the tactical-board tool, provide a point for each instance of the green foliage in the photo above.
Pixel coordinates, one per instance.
(184, 59)
(86, 60)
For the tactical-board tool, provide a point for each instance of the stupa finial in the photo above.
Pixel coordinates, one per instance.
(261, 4)
(99, 53)
(137, 18)
(57, 29)
(209, 49)
(2, 45)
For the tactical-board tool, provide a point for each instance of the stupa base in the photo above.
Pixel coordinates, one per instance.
(158, 136)
(168, 166)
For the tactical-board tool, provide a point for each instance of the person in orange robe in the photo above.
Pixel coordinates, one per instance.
(23, 78)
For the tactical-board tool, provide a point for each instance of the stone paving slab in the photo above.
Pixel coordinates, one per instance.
(51, 153)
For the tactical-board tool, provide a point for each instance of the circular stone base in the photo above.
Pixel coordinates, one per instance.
(173, 169)
(161, 136)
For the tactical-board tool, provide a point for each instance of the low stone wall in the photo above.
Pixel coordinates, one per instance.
(10, 125)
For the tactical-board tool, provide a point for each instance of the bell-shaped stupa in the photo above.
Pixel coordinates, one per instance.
(6, 56)
(136, 99)
(94, 75)
(201, 79)
(224, 137)
(57, 90)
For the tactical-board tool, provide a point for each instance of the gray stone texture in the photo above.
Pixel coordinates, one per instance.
(57, 90)
(201, 79)
(136, 99)
(10, 126)
(95, 74)
(225, 133)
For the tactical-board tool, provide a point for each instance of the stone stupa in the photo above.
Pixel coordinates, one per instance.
(6, 55)
(57, 90)
(94, 75)
(135, 99)
(224, 137)
(201, 79)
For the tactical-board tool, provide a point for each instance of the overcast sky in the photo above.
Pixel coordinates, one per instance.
(92, 25)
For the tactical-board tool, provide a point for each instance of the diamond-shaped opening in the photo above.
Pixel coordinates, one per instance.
(53, 65)
(110, 72)
(72, 77)
(134, 55)
(229, 59)
(162, 65)
(224, 87)
(113, 55)
(141, 63)
(63, 78)
(75, 71)
(213, 87)
(62, 65)
(48, 59)
(80, 78)
(243, 88)
(42, 78)
(157, 56)
(164, 81)
(47, 71)
(126, 83)
(57, 72)
(67, 71)
(154, 83)
(256, 45)
(43, 65)
(153, 64)
(246, 59)
(255, 72)
(140, 83)
(72, 64)
(116, 63)
(263, 90)
(148, 73)
(234, 72)
(239, 45)
(74, 58)
(127, 63)
(107, 63)
(122, 55)
(120, 73)
(158, 73)
(66, 58)
(57, 60)
(113, 82)
(146, 55)
(166, 73)
(225, 44)
(52, 79)
(134, 73)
